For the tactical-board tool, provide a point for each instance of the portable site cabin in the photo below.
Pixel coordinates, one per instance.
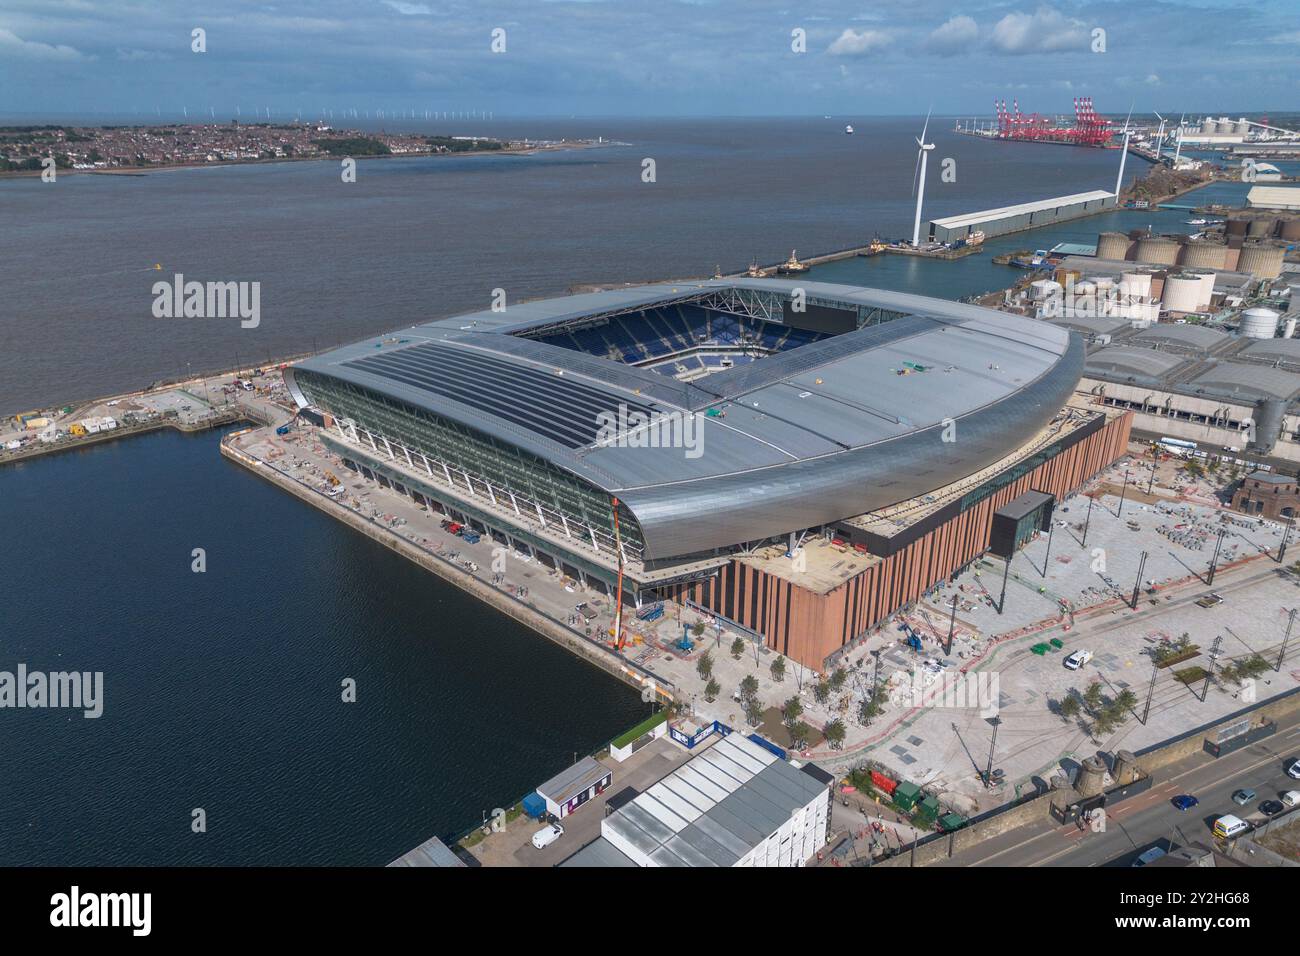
(573, 787)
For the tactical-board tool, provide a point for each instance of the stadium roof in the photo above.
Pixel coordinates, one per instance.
(987, 215)
(837, 427)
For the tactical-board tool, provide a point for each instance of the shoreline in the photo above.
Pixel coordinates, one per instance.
(133, 171)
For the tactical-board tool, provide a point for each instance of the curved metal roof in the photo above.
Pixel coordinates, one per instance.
(1193, 336)
(828, 430)
(1143, 366)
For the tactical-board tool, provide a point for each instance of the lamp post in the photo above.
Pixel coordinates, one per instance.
(952, 624)
(1086, 522)
(1122, 493)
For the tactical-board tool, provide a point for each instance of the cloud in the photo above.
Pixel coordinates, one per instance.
(11, 44)
(1043, 31)
(1153, 79)
(852, 43)
(957, 35)
(409, 9)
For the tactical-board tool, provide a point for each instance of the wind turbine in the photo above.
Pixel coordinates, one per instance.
(1119, 180)
(1160, 139)
(1179, 150)
(918, 182)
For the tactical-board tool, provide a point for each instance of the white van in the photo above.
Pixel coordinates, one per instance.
(1228, 826)
(1291, 798)
(1078, 659)
(547, 835)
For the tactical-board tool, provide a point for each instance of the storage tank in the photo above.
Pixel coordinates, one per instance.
(1290, 230)
(1207, 255)
(1236, 227)
(1041, 289)
(1135, 285)
(1159, 250)
(1207, 278)
(1243, 127)
(1112, 245)
(1210, 127)
(1261, 227)
(1261, 260)
(1258, 323)
(1182, 292)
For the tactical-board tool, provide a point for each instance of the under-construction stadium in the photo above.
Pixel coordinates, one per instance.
(830, 452)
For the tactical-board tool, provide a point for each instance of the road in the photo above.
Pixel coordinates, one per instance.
(1150, 819)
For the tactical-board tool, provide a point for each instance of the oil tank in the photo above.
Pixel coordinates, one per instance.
(1236, 227)
(1261, 260)
(1290, 230)
(1206, 255)
(1262, 227)
(1258, 323)
(1112, 245)
(1135, 284)
(1092, 777)
(1159, 250)
(1183, 292)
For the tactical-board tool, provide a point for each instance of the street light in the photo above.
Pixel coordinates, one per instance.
(1123, 491)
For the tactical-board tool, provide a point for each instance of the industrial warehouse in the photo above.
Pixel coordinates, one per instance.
(851, 445)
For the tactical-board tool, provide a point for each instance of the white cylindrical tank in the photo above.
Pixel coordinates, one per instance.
(1135, 285)
(1210, 127)
(1182, 293)
(1258, 323)
(1207, 287)
(1243, 127)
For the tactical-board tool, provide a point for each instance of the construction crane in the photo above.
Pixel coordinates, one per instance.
(1089, 129)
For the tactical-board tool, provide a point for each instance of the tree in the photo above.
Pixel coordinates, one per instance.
(800, 734)
(711, 690)
(834, 733)
(1070, 707)
(822, 691)
(778, 669)
(697, 628)
(749, 687)
(838, 677)
(791, 711)
(738, 648)
(704, 666)
(1103, 724)
(1092, 696)
(868, 710)
(1126, 701)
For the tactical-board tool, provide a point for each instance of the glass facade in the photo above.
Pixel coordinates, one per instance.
(479, 459)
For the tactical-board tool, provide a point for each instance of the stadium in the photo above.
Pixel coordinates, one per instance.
(799, 459)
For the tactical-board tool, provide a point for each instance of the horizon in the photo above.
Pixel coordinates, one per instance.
(611, 58)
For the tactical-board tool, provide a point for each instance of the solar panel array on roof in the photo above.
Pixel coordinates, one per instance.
(562, 409)
(715, 809)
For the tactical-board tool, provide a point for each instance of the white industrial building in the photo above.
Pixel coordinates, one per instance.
(735, 804)
(1274, 197)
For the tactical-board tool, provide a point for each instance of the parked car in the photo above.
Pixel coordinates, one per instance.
(547, 835)
(1294, 769)
(1077, 660)
(1185, 801)
(1243, 796)
(1210, 600)
(1291, 799)
(1271, 808)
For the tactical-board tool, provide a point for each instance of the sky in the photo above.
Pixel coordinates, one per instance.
(646, 57)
